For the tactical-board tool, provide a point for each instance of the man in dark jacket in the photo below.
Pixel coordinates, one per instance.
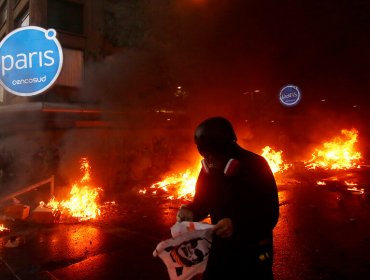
(238, 190)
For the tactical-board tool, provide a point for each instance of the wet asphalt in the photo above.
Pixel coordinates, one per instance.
(321, 234)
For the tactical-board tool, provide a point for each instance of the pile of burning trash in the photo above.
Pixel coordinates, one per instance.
(335, 163)
(83, 204)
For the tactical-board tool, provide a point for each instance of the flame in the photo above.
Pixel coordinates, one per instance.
(338, 153)
(348, 183)
(180, 185)
(356, 190)
(82, 203)
(274, 159)
(3, 228)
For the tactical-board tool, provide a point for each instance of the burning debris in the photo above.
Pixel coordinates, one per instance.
(274, 159)
(337, 156)
(179, 185)
(353, 182)
(3, 229)
(83, 202)
(339, 153)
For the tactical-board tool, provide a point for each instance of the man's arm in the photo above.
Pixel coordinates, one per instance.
(198, 206)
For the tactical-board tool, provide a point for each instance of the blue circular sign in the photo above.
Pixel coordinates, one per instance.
(31, 59)
(290, 95)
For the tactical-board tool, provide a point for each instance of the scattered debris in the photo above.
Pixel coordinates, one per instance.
(15, 241)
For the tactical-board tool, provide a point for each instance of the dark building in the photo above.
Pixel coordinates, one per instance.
(48, 133)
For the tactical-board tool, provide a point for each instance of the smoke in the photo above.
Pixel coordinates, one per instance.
(167, 65)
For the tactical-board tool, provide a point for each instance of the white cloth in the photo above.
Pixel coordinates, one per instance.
(186, 253)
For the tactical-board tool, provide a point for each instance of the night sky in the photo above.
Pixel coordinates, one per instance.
(238, 45)
(322, 46)
(222, 51)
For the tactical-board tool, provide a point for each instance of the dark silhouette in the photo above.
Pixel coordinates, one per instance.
(238, 190)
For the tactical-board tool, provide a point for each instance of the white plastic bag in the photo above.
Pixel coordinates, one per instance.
(186, 253)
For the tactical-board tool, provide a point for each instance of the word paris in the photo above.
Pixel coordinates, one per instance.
(290, 95)
(31, 59)
(24, 61)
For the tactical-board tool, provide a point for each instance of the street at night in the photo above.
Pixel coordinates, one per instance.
(320, 235)
(119, 117)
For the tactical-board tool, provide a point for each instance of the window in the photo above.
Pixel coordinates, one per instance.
(66, 16)
(23, 19)
(72, 71)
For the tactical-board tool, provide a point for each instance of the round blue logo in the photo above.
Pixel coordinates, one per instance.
(31, 59)
(290, 95)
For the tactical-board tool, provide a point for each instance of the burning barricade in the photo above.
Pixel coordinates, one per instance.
(82, 205)
(337, 154)
(338, 165)
(334, 165)
(181, 185)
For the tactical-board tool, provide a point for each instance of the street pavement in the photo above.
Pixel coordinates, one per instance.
(320, 235)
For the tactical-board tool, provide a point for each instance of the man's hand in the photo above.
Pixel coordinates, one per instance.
(184, 214)
(224, 228)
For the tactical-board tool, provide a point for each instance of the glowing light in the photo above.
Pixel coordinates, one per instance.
(356, 190)
(179, 185)
(339, 153)
(348, 183)
(3, 228)
(274, 159)
(82, 203)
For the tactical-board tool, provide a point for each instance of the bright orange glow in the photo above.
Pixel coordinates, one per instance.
(3, 228)
(320, 183)
(356, 190)
(348, 183)
(339, 153)
(82, 203)
(179, 185)
(274, 159)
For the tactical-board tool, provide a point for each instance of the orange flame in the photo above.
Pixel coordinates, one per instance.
(274, 159)
(338, 153)
(3, 228)
(349, 183)
(356, 190)
(82, 203)
(179, 185)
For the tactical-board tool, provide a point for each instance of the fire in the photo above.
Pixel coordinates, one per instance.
(356, 190)
(179, 185)
(274, 159)
(82, 203)
(339, 153)
(3, 228)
